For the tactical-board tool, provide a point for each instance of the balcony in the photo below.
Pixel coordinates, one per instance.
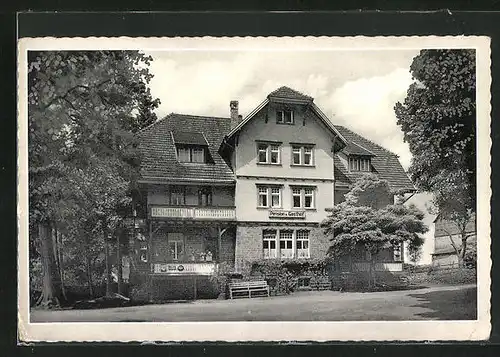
(194, 213)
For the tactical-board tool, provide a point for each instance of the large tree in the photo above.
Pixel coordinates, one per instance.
(438, 118)
(83, 110)
(360, 223)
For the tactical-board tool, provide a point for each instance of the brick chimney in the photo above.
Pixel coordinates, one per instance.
(235, 117)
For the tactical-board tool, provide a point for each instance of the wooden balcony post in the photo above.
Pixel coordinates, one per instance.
(219, 244)
(150, 259)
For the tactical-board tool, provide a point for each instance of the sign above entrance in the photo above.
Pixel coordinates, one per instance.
(287, 214)
(184, 269)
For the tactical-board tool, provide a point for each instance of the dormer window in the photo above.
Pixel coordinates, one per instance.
(191, 154)
(284, 117)
(357, 163)
(190, 146)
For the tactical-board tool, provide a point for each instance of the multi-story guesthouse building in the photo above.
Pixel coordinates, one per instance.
(235, 190)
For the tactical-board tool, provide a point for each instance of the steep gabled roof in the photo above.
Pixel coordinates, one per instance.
(385, 163)
(158, 151)
(289, 93)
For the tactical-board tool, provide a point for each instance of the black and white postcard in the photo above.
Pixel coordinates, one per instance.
(254, 189)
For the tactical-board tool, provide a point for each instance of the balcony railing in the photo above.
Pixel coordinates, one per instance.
(197, 213)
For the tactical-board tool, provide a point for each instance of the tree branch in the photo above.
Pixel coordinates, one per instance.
(452, 242)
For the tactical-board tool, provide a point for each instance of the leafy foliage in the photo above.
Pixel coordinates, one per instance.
(351, 225)
(437, 118)
(83, 110)
(285, 272)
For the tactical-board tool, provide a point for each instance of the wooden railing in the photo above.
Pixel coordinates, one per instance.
(199, 213)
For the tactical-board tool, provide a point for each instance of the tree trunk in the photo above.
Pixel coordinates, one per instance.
(463, 251)
(108, 268)
(119, 266)
(370, 273)
(88, 271)
(59, 256)
(51, 288)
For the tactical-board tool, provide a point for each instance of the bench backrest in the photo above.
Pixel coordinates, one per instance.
(250, 284)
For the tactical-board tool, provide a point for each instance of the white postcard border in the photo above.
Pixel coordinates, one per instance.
(265, 331)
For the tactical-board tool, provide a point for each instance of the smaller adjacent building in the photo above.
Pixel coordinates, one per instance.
(444, 254)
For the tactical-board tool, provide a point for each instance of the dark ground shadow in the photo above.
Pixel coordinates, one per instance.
(449, 304)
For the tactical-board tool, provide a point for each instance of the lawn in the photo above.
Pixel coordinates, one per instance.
(436, 303)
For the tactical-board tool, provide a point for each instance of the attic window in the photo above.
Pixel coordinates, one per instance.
(190, 146)
(191, 153)
(357, 163)
(284, 117)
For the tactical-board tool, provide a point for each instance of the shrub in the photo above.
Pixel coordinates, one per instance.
(282, 275)
(220, 278)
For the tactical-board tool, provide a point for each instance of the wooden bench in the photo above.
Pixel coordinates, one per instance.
(248, 289)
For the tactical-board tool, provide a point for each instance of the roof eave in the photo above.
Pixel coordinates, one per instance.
(276, 99)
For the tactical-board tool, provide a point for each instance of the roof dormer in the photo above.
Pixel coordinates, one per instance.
(191, 147)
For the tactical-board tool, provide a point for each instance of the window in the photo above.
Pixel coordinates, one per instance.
(359, 164)
(263, 196)
(269, 243)
(268, 153)
(205, 196)
(269, 196)
(302, 244)
(191, 154)
(175, 245)
(308, 198)
(296, 155)
(275, 154)
(308, 156)
(275, 197)
(302, 155)
(177, 196)
(284, 117)
(263, 154)
(286, 244)
(184, 154)
(303, 197)
(297, 197)
(197, 155)
(291, 243)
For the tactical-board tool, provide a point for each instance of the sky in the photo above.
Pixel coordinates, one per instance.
(357, 89)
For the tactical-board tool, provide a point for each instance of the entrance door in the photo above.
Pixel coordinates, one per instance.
(175, 246)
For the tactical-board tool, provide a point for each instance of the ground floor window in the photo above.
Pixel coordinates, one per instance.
(269, 237)
(285, 243)
(303, 244)
(304, 282)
